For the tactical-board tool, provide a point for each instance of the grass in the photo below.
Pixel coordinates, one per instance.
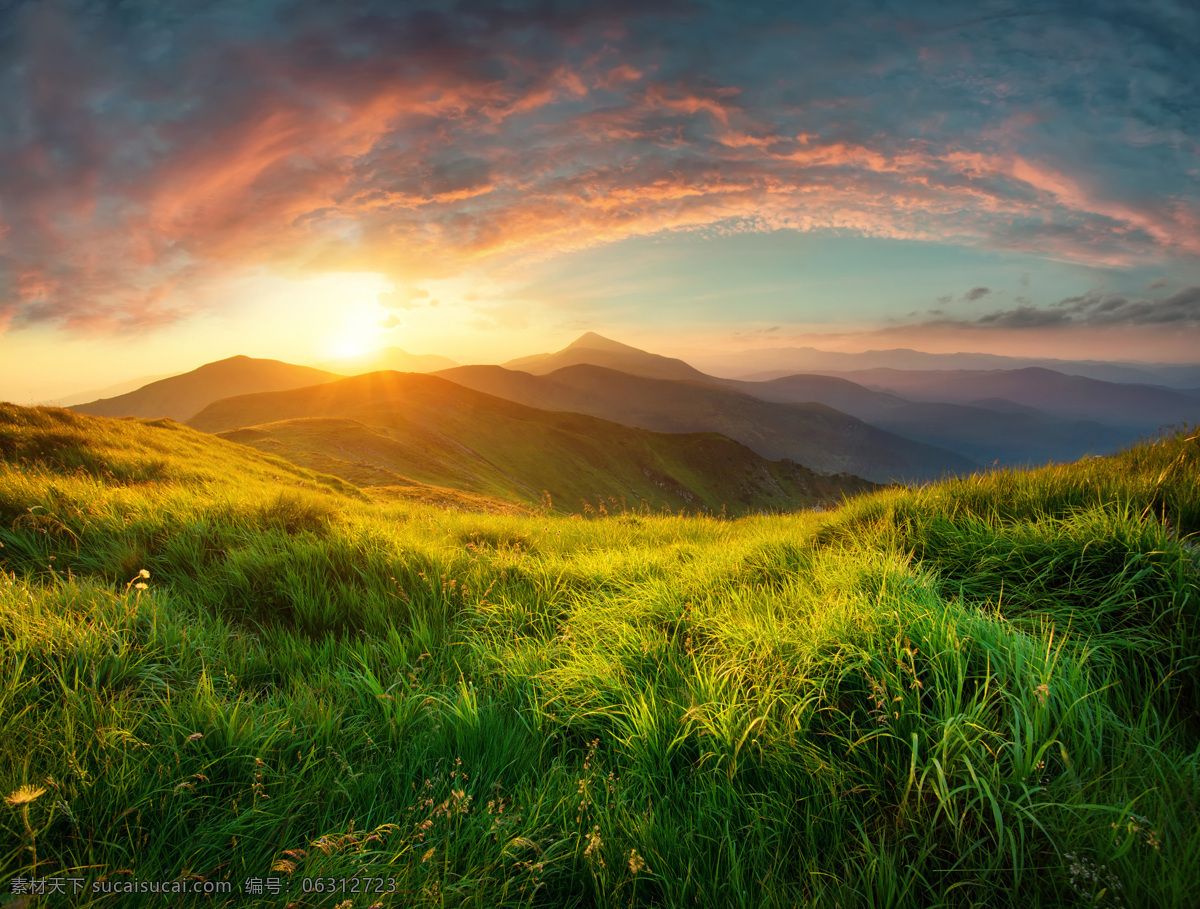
(979, 693)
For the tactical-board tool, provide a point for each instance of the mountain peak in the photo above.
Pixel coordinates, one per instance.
(589, 340)
(597, 350)
(181, 396)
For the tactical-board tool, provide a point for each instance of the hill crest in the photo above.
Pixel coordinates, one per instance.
(389, 426)
(181, 397)
(592, 349)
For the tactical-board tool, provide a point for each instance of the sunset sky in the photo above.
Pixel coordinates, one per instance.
(181, 182)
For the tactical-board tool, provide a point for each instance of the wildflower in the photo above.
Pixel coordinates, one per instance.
(25, 795)
(636, 862)
(595, 844)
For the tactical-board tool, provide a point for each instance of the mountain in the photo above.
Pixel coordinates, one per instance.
(812, 434)
(389, 428)
(987, 431)
(181, 397)
(775, 362)
(1130, 408)
(981, 426)
(592, 349)
(109, 391)
(387, 358)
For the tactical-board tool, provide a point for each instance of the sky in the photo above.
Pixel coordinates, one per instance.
(182, 182)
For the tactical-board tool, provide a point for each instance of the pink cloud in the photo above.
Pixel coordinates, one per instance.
(451, 155)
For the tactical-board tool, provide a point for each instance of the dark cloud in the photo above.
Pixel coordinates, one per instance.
(1181, 308)
(976, 293)
(1022, 317)
(757, 334)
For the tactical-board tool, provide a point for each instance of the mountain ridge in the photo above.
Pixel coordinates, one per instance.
(182, 396)
(385, 358)
(591, 348)
(815, 435)
(388, 427)
(992, 430)
(1132, 407)
(775, 362)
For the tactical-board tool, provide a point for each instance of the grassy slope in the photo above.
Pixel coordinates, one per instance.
(980, 693)
(374, 428)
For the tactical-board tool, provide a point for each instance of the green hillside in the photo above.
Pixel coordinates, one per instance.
(389, 427)
(222, 670)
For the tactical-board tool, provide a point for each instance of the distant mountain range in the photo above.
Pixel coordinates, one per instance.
(591, 349)
(986, 431)
(1127, 407)
(774, 362)
(812, 434)
(590, 420)
(387, 358)
(389, 428)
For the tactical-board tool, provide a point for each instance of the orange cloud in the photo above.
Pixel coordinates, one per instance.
(453, 153)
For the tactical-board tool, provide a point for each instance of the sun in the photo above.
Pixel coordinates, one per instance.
(357, 331)
(349, 349)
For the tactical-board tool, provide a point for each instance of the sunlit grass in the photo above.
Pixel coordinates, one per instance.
(978, 693)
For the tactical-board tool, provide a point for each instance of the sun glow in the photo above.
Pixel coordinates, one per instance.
(357, 326)
(359, 334)
(349, 349)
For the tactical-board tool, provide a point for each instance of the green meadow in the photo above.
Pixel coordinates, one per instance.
(222, 670)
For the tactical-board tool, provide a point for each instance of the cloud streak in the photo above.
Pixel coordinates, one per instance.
(144, 157)
(1180, 309)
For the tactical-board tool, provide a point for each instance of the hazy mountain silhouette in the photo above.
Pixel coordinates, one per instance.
(815, 435)
(775, 362)
(596, 350)
(181, 397)
(987, 430)
(910, 425)
(388, 428)
(387, 358)
(109, 391)
(1132, 408)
